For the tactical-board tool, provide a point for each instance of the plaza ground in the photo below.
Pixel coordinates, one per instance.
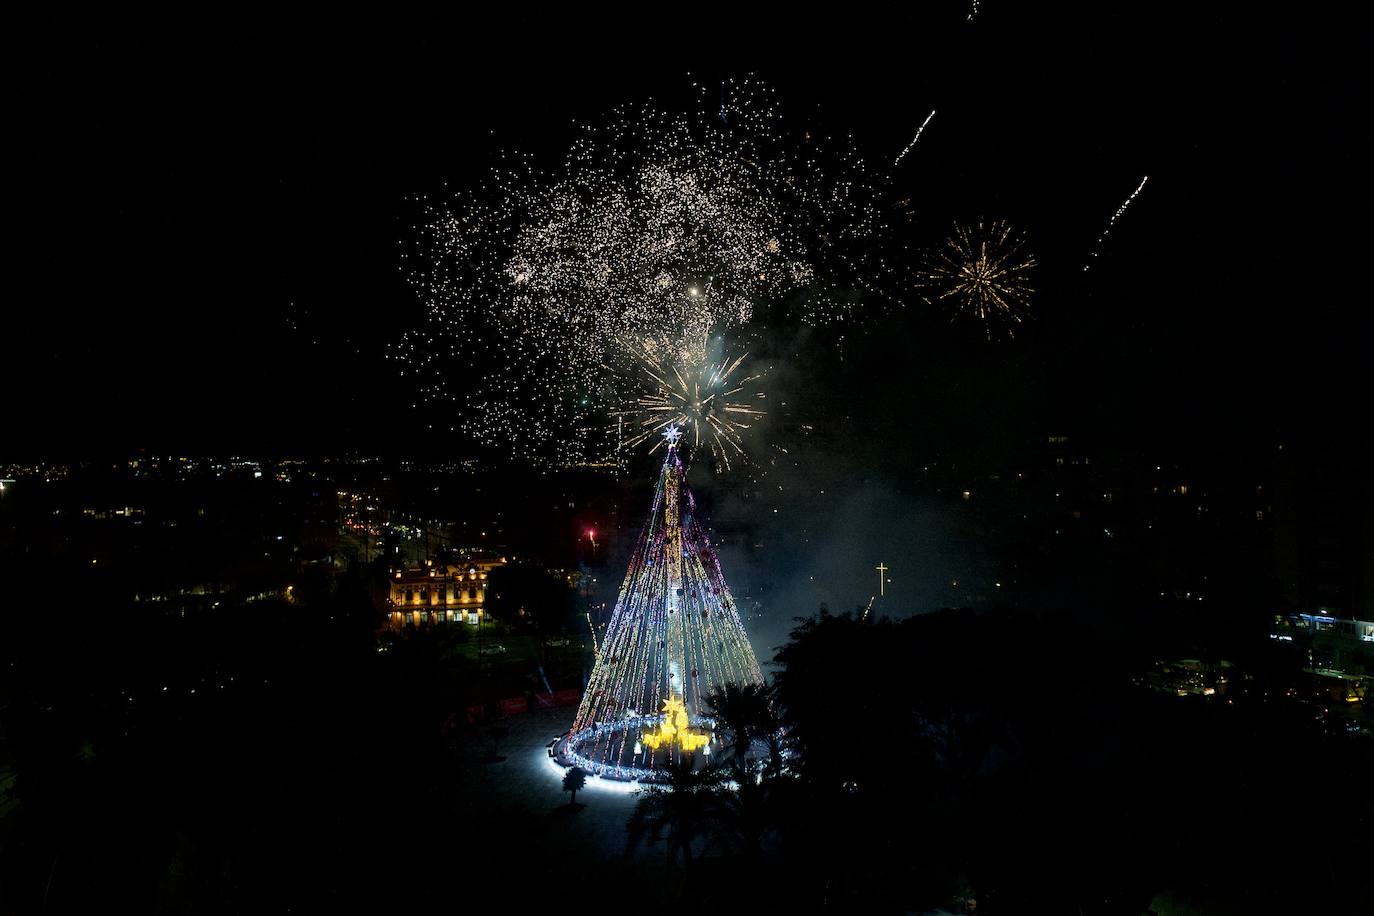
(526, 787)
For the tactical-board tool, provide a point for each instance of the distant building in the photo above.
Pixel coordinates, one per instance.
(450, 592)
(1324, 516)
(1332, 643)
(1338, 651)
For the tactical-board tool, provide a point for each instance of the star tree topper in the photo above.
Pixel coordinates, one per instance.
(672, 434)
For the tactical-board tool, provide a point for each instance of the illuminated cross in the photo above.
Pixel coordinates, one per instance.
(672, 434)
(882, 578)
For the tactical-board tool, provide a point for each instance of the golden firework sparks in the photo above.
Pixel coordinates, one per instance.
(983, 271)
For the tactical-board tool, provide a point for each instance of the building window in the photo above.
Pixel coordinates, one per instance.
(472, 593)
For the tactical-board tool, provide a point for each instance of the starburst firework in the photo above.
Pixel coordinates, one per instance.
(713, 402)
(984, 272)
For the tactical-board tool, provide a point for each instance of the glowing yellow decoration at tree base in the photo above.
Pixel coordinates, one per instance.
(674, 728)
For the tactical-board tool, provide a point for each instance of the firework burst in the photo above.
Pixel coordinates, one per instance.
(984, 272)
(545, 290)
(713, 402)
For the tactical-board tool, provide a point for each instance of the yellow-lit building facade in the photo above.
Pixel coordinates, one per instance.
(441, 592)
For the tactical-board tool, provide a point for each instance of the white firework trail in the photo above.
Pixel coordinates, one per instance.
(919, 131)
(1097, 246)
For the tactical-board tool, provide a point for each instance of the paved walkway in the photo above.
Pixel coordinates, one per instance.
(525, 792)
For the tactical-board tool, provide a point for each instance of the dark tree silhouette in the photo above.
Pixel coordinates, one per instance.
(747, 811)
(574, 780)
(746, 712)
(682, 812)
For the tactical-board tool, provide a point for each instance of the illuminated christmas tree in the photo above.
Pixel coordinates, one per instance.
(674, 637)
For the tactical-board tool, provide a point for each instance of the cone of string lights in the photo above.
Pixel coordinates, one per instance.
(674, 637)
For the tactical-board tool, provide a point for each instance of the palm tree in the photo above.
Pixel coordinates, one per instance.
(746, 712)
(573, 780)
(687, 809)
(747, 811)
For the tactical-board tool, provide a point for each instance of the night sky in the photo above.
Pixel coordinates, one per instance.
(1050, 621)
(208, 213)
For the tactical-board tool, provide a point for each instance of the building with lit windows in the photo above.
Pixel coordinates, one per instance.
(444, 592)
(1331, 642)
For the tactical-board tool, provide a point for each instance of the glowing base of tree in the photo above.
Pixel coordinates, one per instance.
(616, 750)
(674, 637)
